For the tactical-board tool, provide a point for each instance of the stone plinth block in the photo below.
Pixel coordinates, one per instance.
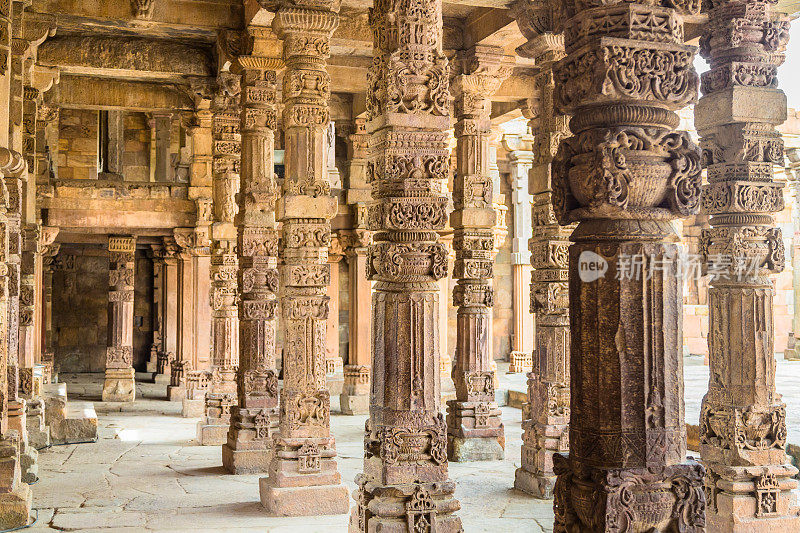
(304, 501)
(15, 507)
(536, 485)
(354, 404)
(120, 385)
(246, 461)
(475, 449)
(38, 432)
(176, 394)
(212, 432)
(193, 408)
(161, 379)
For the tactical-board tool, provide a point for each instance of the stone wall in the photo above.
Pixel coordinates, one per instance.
(80, 308)
(77, 144)
(136, 158)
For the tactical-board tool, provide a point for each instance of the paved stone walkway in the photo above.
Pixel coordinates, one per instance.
(146, 474)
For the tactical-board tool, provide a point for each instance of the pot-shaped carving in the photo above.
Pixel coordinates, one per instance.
(583, 501)
(651, 509)
(618, 177)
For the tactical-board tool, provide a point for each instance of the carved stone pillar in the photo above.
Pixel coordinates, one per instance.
(156, 254)
(303, 477)
(474, 428)
(520, 159)
(48, 256)
(193, 320)
(623, 175)
(405, 485)
(545, 430)
(333, 359)
(221, 395)
(15, 496)
(119, 384)
(255, 418)
(355, 390)
(743, 420)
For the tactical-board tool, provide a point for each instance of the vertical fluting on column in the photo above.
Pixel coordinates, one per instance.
(405, 485)
(303, 476)
(221, 395)
(743, 420)
(623, 176)
(545, 430)
(474, 428)
(255, 418)
(119, 384)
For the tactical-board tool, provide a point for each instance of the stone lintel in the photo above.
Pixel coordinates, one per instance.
(81, 92)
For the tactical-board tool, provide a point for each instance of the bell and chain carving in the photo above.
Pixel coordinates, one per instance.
(743, 420)
(408, 105)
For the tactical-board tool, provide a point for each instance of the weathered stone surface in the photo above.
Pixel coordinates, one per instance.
(304, 501)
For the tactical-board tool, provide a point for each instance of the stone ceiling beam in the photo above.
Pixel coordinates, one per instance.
(172, 17)
(80, 92)
(104, 55)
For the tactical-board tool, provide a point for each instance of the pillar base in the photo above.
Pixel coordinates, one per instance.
(212, 431)
(465, 450)
(474, 432)
(303, 479)
(193, 408)
(536, 485)
(304, 501)
(161, 379)
(249, 447)
(791, 354)
(747, 499)
(657, 500)
(354, 404)
(15, 496)
(520, 362)
(239, 462)
(176, 394)
(404, 508)
(15, 507)
(38, 431)
(120, 385)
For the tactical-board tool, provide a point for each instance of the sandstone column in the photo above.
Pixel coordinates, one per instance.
(303, 477)
(254, 419)
(355, 390)
(156, 253)
(48, 256)
(119, 384)
(545, 430)
(405, 485)
(520, 159)
(474, 428)
(743, 420)
(221, 395)
(333, 360)
(623, 175)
